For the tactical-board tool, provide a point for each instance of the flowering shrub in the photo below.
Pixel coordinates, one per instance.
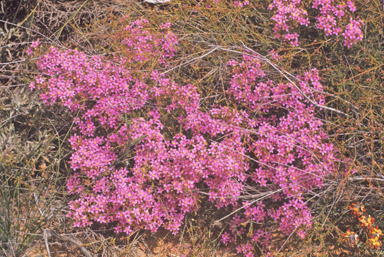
(375, 235)
(290, 14)
(265, 138)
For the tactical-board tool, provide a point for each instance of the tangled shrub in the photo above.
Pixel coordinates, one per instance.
(258, 153)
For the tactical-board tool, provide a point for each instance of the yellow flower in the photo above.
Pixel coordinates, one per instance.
(374, 242)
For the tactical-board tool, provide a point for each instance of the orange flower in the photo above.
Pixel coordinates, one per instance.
(355, 209)
(370, 220)
(363, 222)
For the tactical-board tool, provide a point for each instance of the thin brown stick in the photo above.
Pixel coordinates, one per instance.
(68, 239)
(45, 237)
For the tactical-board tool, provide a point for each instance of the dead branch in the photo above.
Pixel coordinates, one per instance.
(68, 238)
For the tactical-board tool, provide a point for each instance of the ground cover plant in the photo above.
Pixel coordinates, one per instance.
(195, 106)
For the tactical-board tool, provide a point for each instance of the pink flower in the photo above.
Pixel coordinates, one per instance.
(225, 238)
(32, 85)
(301, 234)
(29, 51)
(35, 43)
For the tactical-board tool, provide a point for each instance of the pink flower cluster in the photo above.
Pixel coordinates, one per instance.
(144, 46)
(330, 19)
(287, 143)
(241, 4)
(265, 139)
(353, 33)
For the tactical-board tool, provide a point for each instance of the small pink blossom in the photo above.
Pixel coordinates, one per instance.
(35, 43)
(29, 51)
(32, 85)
